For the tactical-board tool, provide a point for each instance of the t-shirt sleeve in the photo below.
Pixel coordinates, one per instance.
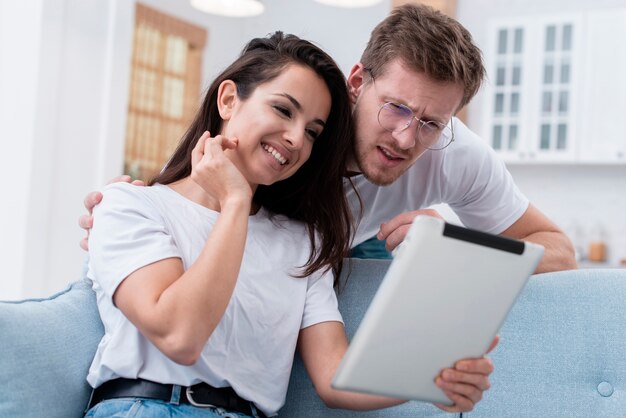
(321, 301)
(128, 233)
(486, 197)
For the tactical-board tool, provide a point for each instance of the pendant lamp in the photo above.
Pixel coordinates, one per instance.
(230, 8)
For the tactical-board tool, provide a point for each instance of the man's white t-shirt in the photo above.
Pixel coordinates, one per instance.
(467, 175)
(253, 346)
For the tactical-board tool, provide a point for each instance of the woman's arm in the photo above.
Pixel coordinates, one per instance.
(178, 310)
(322, 347)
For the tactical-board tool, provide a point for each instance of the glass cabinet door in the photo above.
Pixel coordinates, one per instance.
(555, 125)
(507, 93)
(530, 101)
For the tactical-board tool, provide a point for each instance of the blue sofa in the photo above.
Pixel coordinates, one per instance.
(562, 351)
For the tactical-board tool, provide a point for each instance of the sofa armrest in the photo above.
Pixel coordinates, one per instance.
(46, 348)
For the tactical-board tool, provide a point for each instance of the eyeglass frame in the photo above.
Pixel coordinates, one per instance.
(422, 122)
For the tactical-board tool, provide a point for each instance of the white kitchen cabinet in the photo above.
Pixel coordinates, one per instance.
(603, 137)
(556, 90)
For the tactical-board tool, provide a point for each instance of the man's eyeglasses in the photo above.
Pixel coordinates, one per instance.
(396, 117)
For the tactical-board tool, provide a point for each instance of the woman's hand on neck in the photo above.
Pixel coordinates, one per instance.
(215, 182)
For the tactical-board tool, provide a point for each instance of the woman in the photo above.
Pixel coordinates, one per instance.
(206, 281)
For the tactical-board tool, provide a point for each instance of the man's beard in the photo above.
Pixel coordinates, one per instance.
(376, 177)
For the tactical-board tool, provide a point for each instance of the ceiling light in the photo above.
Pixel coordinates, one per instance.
(349, 3)
(230, 8)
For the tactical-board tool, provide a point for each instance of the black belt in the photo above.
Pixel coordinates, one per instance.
(200, 395)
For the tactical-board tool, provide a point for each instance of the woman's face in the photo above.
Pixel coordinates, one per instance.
(277, 125)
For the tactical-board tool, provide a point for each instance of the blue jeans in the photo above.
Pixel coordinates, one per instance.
(150, 408)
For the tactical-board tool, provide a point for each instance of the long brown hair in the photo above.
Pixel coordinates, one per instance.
(314, 194)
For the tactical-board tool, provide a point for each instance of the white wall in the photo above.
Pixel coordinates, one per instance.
(18, 103)
(63, 98)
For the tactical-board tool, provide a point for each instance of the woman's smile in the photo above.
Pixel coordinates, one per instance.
(278, 156)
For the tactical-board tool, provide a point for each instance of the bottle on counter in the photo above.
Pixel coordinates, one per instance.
(597, 250)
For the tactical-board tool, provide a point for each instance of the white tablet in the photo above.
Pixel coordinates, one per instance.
(443, 299)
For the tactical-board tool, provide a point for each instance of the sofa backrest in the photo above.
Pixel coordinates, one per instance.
(562, 351)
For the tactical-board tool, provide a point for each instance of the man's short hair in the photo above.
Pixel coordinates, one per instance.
(427, 41)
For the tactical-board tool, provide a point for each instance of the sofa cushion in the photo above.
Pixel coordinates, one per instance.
(46, 347)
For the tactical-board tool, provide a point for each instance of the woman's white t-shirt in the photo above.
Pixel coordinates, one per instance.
(253, 346)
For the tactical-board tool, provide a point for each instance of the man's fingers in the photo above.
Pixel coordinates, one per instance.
(121, 179)
(91, 200)
(405, 218)
(388, 227)
(85, 222)
(396, 237)
(94, 198)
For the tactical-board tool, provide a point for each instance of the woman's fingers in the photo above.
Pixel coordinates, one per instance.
(199, 149)
(219, 143)
(230, 143)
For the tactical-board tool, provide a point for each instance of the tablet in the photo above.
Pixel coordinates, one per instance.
(443, 299)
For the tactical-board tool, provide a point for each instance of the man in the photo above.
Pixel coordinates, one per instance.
(418, 69)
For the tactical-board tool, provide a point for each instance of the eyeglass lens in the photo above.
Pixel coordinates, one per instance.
(395, 117)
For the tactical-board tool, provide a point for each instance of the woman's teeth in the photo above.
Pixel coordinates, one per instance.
(282, 160)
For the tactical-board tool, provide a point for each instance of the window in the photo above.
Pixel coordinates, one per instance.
(164, 89)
